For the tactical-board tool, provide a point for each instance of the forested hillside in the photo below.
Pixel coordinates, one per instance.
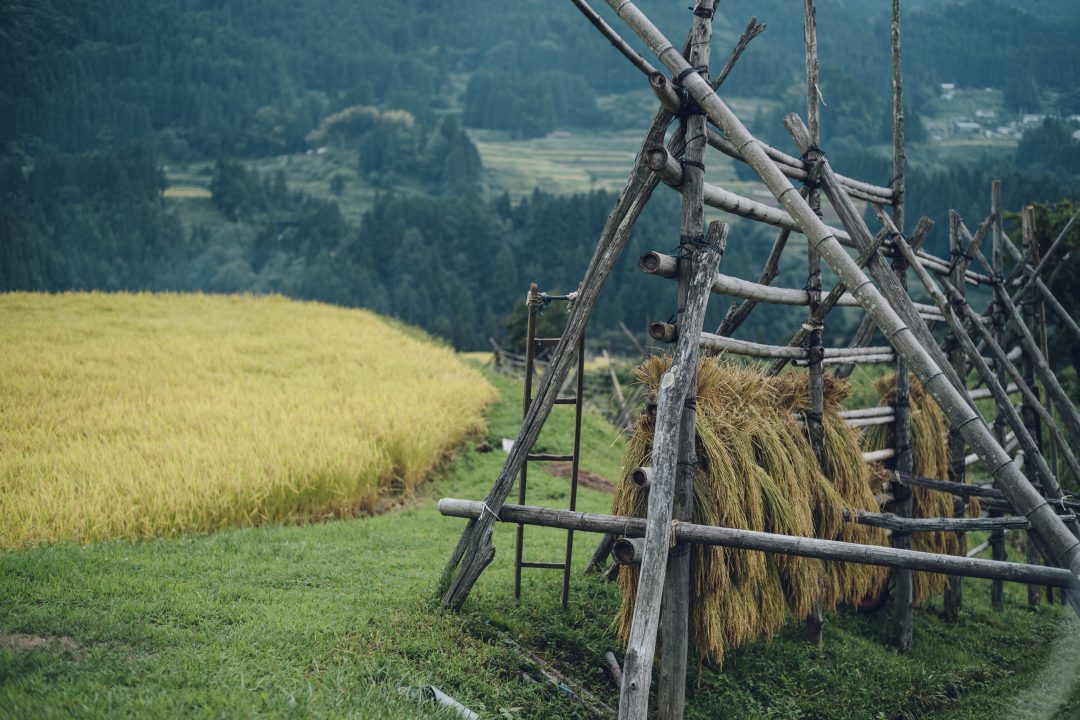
(100, 102)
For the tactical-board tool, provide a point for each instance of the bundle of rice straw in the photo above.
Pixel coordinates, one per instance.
(930, 451)
(756, 470)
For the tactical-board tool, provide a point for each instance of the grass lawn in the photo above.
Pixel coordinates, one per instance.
(330, 619)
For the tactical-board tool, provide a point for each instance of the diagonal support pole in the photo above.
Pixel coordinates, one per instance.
(475, 551)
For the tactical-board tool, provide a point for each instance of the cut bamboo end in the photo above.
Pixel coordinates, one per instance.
(663, 332)
(642, 477)
(879, 455)
(664, 92)
(654, 263)
(628, 551)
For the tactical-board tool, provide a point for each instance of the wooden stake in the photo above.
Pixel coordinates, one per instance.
(954, 589)
(815, 406)
(675, 604)
(903, 580)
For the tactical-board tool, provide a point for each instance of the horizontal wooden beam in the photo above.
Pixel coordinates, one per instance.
(769, 542)
(794, 168)
(896, 523)
(667, 266)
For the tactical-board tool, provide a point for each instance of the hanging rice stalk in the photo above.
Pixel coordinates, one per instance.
(757, 471)
(929, 439)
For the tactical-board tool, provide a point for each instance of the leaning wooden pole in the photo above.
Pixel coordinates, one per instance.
(937, 381)
(903, 580)
(675, 605)
(475, 551)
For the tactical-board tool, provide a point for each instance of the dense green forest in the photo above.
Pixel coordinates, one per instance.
(96, 99)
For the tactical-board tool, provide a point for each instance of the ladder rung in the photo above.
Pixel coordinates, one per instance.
(544, 565)
(566, 400)
(546, 341)
(540, 457)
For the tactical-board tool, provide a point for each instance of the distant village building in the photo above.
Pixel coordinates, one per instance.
(948, 91)
(1030, 119)
(1076, 135)
(986, 114)
(963, 127)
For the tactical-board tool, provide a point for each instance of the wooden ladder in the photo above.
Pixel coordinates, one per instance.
(536, 302)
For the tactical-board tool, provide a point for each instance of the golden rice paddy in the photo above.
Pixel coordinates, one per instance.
(138, 415)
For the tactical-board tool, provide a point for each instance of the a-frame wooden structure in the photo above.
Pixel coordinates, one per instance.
(873, 269)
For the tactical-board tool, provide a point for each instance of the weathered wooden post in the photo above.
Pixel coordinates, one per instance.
(903, 580)
(997, 537)
(954, 589)
(1031, 419)
(815, 408)
(700, 263)
(675, 617)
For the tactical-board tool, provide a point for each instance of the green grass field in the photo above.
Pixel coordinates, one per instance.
(330, 619)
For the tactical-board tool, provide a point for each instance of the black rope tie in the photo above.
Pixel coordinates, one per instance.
(690, 403)
(688, 105)
(814, 417)
(693, 163)
(690, 71)
(956, 256)
(702, 12)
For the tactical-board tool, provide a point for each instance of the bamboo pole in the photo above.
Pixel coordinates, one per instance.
(1043, 289)
(671, 173)
(675, 604)
(1001, 398)
(613, 37)
(797, 172)
(666, 266)
(1042, 264)
(1020, 385)
(769, 542)
(892, 293)
(956, 407)
(861, 339)
(1041, 366)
